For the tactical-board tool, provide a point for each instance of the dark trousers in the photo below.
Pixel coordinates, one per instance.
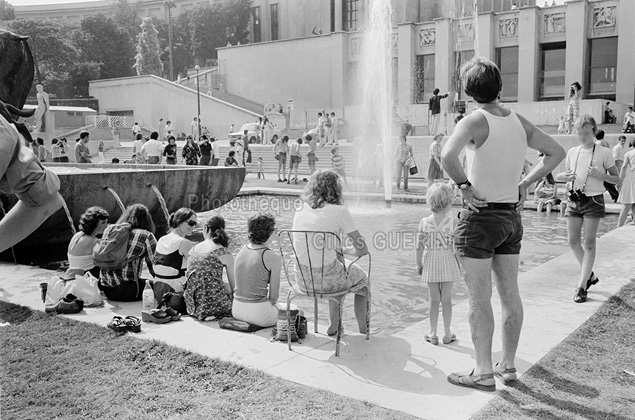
(205, 160)
(128, 291)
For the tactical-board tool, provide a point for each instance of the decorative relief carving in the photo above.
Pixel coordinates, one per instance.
(604, 17)
(465, 32)
(427, 36)
(508, 28)
(356, 45)
(554, 23)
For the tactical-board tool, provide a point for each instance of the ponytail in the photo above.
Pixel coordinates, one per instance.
(215, 226)
(220, 237)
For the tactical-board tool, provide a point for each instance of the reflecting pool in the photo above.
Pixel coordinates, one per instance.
(399, 297)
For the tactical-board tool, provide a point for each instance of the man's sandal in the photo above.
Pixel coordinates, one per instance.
(468, 380)
(507, 376)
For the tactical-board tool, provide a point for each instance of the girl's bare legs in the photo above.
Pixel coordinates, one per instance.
(435, 299)
(626, 209)
(446, 305)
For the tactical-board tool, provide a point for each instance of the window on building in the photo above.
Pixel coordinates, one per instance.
(461, 57)
(350, 15)
(274, 22)
(552, 71)
(603, 67)
(424, 78)
(257, 32)
(507, 62)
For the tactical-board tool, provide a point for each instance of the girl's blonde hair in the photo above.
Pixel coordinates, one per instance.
(439, 197)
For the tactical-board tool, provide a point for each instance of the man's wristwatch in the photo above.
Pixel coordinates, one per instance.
(464, 185)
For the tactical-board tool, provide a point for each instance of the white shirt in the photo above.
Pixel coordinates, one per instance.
(629, 117)
(136, 129)
(169, 130)
(602, 159)
(215, 149)
(618, 152)
(151, 148)
(136, 146)
(330, 218)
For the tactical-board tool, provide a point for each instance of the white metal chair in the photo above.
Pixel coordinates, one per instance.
(312, 285)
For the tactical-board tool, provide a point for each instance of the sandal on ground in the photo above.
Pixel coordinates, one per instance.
(507, 376)
(133, 324)
(580, 295)
(450, 339)
(432, 339)
(157, 317)
(117, 324)
(173, 313)
(592, 281)
(468, 380)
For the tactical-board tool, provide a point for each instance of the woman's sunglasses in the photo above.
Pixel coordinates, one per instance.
(192, 223)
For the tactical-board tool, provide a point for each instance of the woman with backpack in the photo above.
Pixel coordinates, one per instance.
(120, 277)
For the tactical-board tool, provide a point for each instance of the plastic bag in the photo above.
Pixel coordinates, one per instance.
(82, 286)
(57, 289)
(86, 289)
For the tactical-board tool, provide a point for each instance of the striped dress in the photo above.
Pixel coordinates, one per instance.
(438, 261)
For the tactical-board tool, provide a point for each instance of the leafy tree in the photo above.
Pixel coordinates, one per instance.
(148, 59)
(106, 43)
(181, 42)
(6, 11)
(54, 52)
(126, 15)
(236, 15)
(81, 74)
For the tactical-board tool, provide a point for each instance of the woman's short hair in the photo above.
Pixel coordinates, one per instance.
(439, 197)
(215, 226)
(260, 228)
(138, 216)
(171, 138)
(324, 187)
(482, 80)
(586, 121)
(90, 219)
(180, 216)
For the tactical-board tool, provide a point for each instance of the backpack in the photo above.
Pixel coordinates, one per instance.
(111, 251)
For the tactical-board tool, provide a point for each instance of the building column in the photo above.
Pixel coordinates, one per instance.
(485, 35)
(405, 65)
(577, 45)
(339, 69)
(625, 85)
(443, 54)
(338, 15)
(528, 54)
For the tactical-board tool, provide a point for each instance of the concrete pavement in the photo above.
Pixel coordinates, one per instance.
(399, 371)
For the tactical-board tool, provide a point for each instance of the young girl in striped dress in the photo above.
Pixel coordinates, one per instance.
(436, 262)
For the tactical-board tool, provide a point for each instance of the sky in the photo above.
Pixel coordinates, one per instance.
(28, 2)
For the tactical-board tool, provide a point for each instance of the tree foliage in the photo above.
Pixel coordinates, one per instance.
(6, 11)
(67, 56)
(148, 59)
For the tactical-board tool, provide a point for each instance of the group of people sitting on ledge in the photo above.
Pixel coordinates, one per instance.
(251, 287)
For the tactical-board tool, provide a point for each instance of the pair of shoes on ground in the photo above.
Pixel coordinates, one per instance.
(508, 376)
(160, 316)
(70, 304)
(433, 339)
(121, 325)
(283, 180)
(295, 181)
(580, 295)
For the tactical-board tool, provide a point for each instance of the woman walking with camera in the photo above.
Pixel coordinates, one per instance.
(586, 171)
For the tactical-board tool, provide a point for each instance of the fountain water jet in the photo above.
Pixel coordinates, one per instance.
(4, 213)
(117, 198)
(162, 203)
(68, 216)
(376, 81)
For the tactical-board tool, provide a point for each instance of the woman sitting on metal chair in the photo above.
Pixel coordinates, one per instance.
(320, 256)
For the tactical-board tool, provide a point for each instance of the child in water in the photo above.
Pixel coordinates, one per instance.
(436, 262)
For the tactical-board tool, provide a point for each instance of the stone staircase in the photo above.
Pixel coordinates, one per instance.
(270, 165)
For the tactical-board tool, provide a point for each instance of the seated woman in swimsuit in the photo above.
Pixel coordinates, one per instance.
(80, 249)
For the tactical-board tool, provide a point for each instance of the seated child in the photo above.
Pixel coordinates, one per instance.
(546, 194)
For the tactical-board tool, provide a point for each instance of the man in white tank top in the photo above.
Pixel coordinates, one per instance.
(489, 232)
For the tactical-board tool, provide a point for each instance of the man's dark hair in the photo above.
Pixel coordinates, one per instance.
(139, 136)
(40, 141)
(482, 80)
(154, 135)
(115, 160)
(319, 114)
(630, 108)
(599, 135)
(260, 228)
(84, 134)
(232, 153)
(436, 91)
(204, 137)
(308, 137)
(245, 131)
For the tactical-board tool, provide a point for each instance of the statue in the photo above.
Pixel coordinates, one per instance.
(42, 108)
